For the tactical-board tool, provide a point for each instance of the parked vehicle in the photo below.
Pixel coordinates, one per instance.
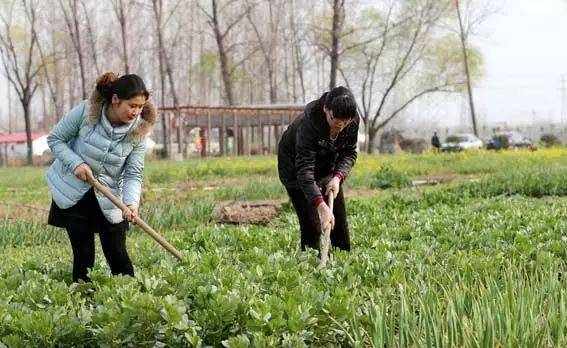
(549, 140)
(460, 142)
(507, 140)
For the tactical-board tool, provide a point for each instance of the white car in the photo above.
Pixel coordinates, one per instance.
(460, 142)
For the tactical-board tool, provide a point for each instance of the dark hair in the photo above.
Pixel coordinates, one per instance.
(125, 86)
(341, 102)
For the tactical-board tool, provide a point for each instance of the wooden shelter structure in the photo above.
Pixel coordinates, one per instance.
(252, 130)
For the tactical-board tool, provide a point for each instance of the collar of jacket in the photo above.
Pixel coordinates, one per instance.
(137, 130)
(116, 132)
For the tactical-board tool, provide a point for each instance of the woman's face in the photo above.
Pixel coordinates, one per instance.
(127, 110)
(336, 125)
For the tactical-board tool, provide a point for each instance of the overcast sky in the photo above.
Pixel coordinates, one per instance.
(525, 52)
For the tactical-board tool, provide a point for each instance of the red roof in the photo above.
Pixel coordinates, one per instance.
(18, 138)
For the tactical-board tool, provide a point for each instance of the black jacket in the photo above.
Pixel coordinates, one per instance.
(306, 154)
(435, 142)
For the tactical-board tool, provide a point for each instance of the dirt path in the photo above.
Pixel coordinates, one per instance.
(18, 211)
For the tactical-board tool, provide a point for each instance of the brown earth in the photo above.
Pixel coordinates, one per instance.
(259, 213)
(13, 211)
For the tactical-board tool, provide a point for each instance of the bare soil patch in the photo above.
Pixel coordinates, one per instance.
(256, 213)
(27, 212)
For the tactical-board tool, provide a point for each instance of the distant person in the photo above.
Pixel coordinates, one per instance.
(315, 155)
(435, 142)
(498, 143)
(104, 137)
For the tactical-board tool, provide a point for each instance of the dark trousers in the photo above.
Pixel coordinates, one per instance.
(82, 221)
(113, 242)
(309, 225)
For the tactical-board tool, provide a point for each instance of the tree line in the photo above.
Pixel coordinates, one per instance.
(390, 53)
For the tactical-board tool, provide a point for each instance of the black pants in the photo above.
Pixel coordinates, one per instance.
(309, 225)
(113, 242)
(82, 221)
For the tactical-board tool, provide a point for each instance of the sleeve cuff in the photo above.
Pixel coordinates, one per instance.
(316, 201)
(74, 164)
(130, 201)
(340, 175)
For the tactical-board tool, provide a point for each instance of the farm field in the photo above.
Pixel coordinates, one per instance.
(476, 260)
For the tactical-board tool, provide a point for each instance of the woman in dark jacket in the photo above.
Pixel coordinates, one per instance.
(316, 153)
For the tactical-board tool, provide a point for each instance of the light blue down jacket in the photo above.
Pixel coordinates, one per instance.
(115, 155)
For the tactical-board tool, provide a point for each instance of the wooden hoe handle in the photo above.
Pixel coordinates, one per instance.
(143, 225)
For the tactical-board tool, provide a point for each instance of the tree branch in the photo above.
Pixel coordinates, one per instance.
(410, 101)
(235, 22)
(237, 64)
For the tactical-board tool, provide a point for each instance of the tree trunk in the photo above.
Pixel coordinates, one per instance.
(26, 107)
(59, 85)
(202, 77)
(71, 88)
(296, 55)
(92, 38)
(300, 74)
(223, 57)
(79, 49)
(366, 131)
(190, 61)
(338, 8)
(10, 124)
(44, 109)
(121, 14)
(467, 70)
(72, 23)
(164, 118)
(158, 12)
(23, 83)
(371, 138)
(273, 87)
(50, 85)
(293, 75)
(286, 79)
(273, 54)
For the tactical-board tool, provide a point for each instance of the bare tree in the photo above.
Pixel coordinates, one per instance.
(268, 43)
(299, 59)
(462, 36)
(336, 31)
(71, 16)
(407, 62)
(9, 106)
(50, 60)
(469, 18)
(92, 36)
(19, 58)
(157, 6)
(337, 40)
(229, 51)
(164, 118)
(121, 9)
(225, 49)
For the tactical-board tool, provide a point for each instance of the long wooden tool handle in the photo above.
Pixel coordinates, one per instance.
(325, 243)
(143, 225)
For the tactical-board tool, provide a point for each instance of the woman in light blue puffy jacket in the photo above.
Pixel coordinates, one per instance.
(105, 136)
